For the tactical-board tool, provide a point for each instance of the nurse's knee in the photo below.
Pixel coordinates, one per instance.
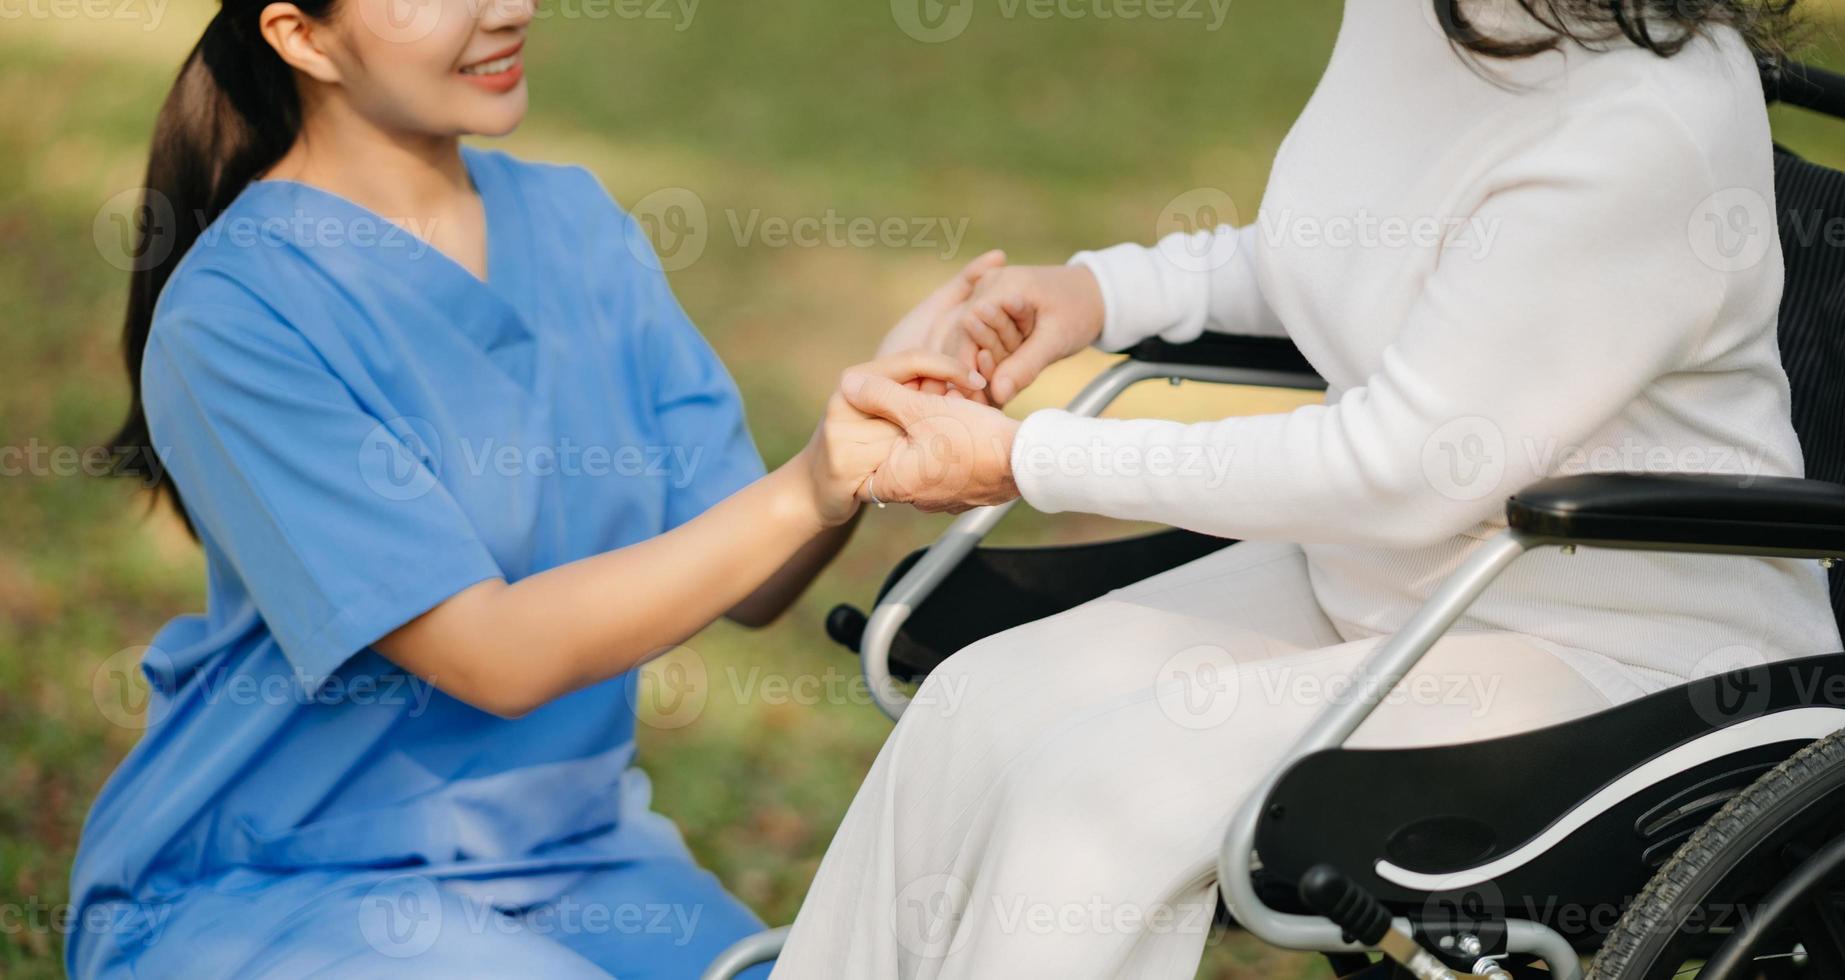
(413, 927)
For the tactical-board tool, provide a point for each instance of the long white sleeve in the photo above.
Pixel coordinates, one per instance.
(1551, 265)
(1181, 287)
(1590, 291)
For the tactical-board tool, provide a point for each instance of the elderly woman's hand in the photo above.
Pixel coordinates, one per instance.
(926, 326)
(850, 444)
(955, 453)
(1020, 320)
(1008, 323)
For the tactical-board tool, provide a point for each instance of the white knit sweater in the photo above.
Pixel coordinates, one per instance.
(1572, 267)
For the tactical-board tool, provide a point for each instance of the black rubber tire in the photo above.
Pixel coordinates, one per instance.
(1645, 942)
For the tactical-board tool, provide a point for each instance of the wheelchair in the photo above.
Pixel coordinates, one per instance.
(1699, 831)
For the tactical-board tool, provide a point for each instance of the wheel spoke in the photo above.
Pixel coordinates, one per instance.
(1822, 932)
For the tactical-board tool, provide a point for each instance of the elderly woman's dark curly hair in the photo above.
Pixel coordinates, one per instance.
(1661, 26)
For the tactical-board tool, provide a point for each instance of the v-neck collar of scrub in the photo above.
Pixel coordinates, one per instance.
(493, 215)
(496, 314)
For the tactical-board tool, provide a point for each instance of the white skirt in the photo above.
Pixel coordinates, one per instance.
(1052, 803)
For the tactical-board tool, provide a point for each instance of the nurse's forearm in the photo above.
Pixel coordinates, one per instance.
(510, 648)
(775, 596)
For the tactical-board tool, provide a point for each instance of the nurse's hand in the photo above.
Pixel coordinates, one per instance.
(850, 445)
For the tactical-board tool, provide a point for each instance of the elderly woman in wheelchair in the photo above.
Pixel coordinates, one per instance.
(1445, 733)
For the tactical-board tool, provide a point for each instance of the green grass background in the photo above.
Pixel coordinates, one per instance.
(1046, 135)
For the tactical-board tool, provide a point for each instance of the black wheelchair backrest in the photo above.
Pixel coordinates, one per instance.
(1810, 200)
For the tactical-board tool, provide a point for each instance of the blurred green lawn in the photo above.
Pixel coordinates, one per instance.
(1043, 135)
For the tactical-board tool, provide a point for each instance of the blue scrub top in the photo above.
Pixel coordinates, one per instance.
(360, 429)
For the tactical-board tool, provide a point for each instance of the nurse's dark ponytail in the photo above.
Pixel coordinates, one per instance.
(232, 114)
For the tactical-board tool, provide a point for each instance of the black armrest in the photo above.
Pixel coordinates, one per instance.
(1804, 86)
(995, 589)
(1227, 350)
(1685, 512)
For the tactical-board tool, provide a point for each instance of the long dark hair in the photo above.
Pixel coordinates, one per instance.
(231, 115)
(1663, 27)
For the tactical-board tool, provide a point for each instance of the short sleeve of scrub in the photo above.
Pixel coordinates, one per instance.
(333, 519)
(696, 401)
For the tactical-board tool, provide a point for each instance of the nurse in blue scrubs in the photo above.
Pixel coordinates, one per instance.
(458, 463)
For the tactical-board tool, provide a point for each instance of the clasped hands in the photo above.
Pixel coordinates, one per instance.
(922, 424)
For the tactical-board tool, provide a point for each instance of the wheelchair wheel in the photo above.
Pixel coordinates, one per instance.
(1717, 882)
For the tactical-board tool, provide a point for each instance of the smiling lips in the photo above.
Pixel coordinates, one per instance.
(500, 73)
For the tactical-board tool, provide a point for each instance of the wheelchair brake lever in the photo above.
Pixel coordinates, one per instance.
(1329, 893)
(845, 625)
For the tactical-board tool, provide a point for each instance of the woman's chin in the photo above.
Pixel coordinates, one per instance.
(495, 132)
(500, 120)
